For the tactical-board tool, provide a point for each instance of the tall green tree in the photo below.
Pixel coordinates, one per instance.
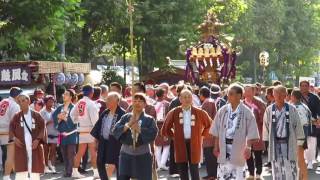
(33, 29)
(158, 25)
(288, 30)
(103, 18)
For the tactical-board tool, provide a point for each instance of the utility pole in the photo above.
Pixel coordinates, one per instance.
(254, 67)
(130, 11)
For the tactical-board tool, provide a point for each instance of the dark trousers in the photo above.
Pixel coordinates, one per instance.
(59, 153)
(4, 155)
(210, 161)
(68, 153)
(135, 166)
(255, 161)
(183, 167)
(172, 164)
(123, 177)
(102, 160)
(318, 145)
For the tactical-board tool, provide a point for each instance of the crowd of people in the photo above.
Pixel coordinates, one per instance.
(139, 130)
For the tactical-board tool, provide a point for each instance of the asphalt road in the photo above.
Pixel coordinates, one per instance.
(163, 175)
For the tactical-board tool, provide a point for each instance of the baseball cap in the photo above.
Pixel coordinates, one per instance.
(15, 91)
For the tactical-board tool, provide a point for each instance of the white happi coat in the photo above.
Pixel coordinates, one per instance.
(85, 114)
(28, 138)
(247, 130)
(8, 108)
(295, 133)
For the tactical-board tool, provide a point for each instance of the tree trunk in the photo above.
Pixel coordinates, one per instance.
(147, 58)
(62, 48)
(124, 64)
(139, 58)
(254, 67)
(85, 42)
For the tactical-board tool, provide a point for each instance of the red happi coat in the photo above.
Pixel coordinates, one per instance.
(173, 127)
(258, 107)
(210, 107)
(39, 132)
(160, 140)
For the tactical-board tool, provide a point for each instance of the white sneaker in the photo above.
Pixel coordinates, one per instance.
(6, 177)
(165, 168)
(53, 169)
(310, 165)
(47, 170)
(96, 173)
(49, 164)
(76, 174)
(175, 175)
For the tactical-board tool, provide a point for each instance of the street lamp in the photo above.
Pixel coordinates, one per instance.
(264, 62)
(182, 46)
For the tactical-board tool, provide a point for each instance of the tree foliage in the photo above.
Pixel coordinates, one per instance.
(39, 29)
(34, 28)
(158, 25)
(110, 75)
(288, 30)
